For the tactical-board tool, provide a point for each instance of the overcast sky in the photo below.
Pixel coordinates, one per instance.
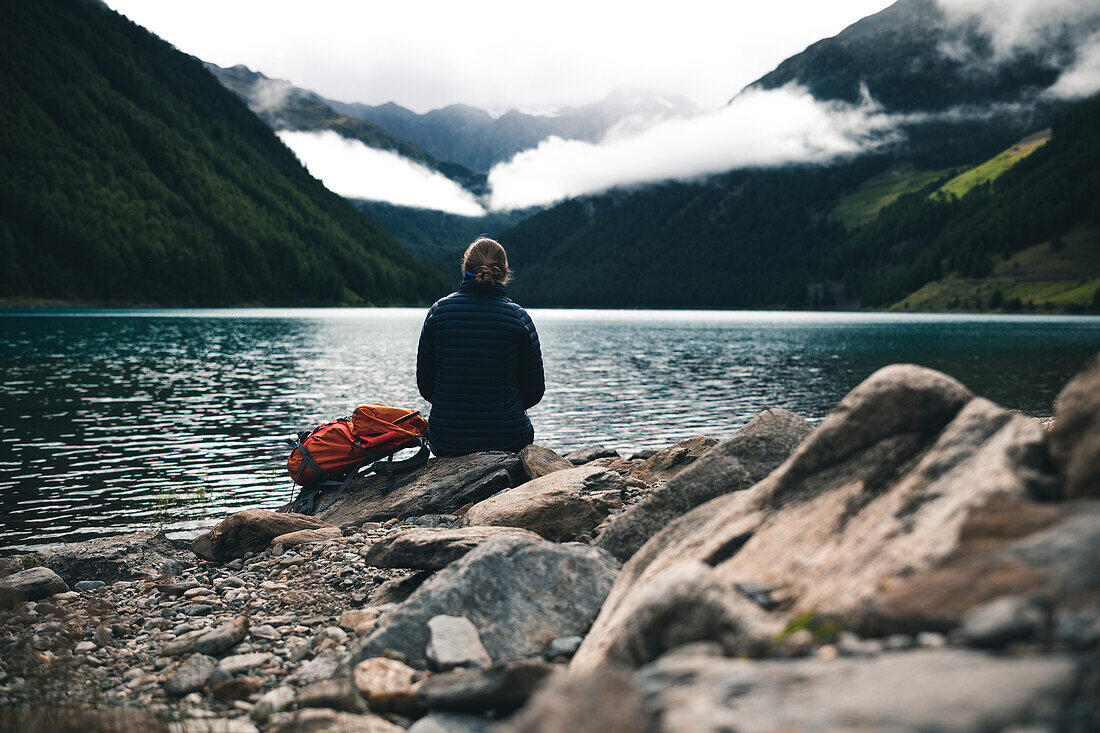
(500, 55)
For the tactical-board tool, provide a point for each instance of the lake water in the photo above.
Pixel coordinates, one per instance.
(114, 420)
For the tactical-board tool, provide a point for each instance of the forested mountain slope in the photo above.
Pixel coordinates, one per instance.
(765, 238)
(131, 175)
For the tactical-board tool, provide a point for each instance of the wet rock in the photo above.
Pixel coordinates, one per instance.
(304, 536)
(734, 465)
(1001, 621)
(502, 687)
(138, 555)
(557, 506)
(189, 675)
(272, 702)
(943, 689)
(321, 720)
(588, 453)
(605, 702)
(425, 548)
(684, 603)
(520, 594)
(667, 462)
(442, 486)
(1075, 437)
(86, 586)
(538, 461)
(335, 694)
(454, 642)
(249, 531)
(387, 685)
(30, 585)
(888, 518)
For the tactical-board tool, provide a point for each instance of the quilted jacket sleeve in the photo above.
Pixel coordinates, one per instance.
(425, 360)
(532, 380)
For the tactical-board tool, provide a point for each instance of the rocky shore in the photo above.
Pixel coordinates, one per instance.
(921, 560)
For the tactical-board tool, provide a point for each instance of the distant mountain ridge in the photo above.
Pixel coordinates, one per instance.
(284, 106)
(912, 56)
(474, 138)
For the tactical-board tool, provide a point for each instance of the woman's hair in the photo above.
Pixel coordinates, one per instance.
(487, 260)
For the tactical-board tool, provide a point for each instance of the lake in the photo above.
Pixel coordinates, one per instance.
(127, 419)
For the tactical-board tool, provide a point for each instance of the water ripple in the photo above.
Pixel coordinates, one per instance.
(115, 420)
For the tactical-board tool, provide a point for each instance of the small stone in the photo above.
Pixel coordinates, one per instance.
(799, 644)
(387, 684)
(359, 620)
(272, 702)
(996, 623)
(267, 631)
(897, 642)
(335, 633)
(827, 652)
(222, 638)
(64, 597)
(237, 688)
(85, 646)
(455, 643)
(335, 694)
(103, 635)
(565, 646)
(931, 640)
(243, 662)
(199, 609)
(189, 675)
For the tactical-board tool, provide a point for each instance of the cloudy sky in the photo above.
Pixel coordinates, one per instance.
(500, 54)
(538, 58)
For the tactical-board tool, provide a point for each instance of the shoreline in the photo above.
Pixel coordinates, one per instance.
(538, 592)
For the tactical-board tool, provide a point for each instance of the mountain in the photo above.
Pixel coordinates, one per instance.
(284, 106)
(859, 231)
(915, 56)
(437, 237)
(477, 140)
(131, 175)
(766, 238)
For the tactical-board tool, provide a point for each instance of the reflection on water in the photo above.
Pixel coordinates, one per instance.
(135, 419)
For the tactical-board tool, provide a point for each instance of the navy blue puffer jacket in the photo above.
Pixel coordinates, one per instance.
(480, 365)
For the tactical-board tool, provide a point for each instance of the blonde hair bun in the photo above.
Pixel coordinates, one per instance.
(487, 260)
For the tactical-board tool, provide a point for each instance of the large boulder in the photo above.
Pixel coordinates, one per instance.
(682, 604)
(431, 548)
(667, 462)
(749, 456)
(249, 531)
(942, 690)
(911, 476)
(538, 461)
(30, 585)
(444, 485)
(558, 506)
(521, 594)
(1075, 438)
(138, 555)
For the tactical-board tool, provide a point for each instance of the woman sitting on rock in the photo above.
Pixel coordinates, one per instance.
(479, 361)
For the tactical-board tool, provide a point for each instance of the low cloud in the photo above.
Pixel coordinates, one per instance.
(758, 128)
(1083, 77)
(351, 169)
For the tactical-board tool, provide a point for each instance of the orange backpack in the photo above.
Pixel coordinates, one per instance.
(333, 452)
